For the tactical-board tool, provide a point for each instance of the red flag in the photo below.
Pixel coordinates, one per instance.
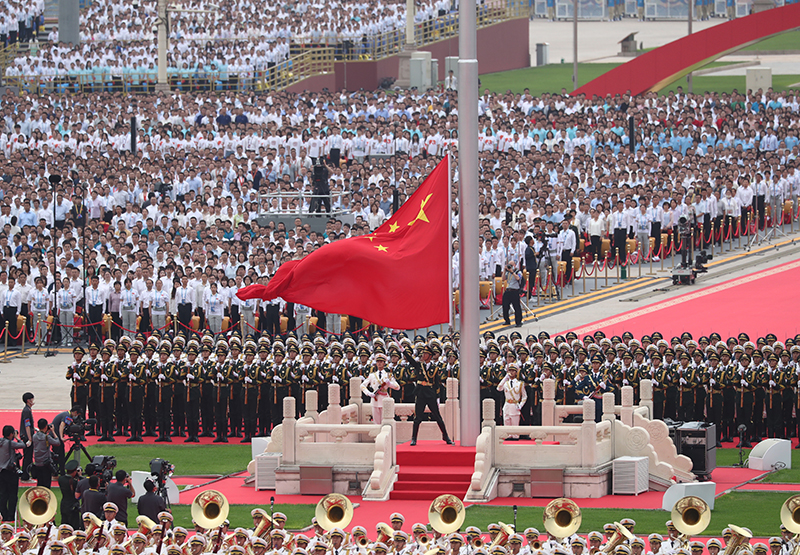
(398, 276)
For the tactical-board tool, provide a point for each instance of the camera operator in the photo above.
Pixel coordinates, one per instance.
(42, 457)
(150, 504)
(685, 231)
(530, 261)
(26, 430)
(118, 493)
(70, 506)
(92, 500)
(547, 243)
(513, 277)
(567, 244)
(62, 424)
(9, 477)
(321, 186)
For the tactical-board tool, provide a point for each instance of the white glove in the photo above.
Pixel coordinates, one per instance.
(772, 383)
(131, 378)
(370, 394)
(712, 381)
(567, 383)
(235, 375)
(277, 379)
(656, 384)
(603, 385)
(247, 380)
(625, 382)
(75, 376)
(103, 378)
(220, 376)
(587, 398)
(538, 378)
(305, 379)
(683, 381)
(292, 374)
(162, 377)
(147, 373)
(189, 376)
(744, 383)
(334, 379)
(519, 406)
(481, 379)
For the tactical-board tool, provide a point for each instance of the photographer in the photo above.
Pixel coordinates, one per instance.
(150, 504)
(9, 477)
(320, 188)
(511, 295)
(92, 500)
(685, 230)
(62, 424)
(118, 493)
(42, 457)
(26, 431)
(70, 506)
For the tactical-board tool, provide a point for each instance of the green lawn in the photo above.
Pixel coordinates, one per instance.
(553, 77)
(759, 511)
(784, 41)
(189, 460)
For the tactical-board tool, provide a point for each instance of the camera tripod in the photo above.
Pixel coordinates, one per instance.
(770, 232)
(76, 449)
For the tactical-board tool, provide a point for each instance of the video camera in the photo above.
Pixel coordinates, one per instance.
(103, 467)
(79, 427)
(161, 470)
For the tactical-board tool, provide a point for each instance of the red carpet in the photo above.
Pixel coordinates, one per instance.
(432, 468)
(729, 308)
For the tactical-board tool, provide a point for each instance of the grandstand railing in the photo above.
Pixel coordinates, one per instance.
(7, 55)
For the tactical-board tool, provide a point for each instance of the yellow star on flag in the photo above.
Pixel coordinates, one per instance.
(421, 215)
(393, 227)
(381, 248)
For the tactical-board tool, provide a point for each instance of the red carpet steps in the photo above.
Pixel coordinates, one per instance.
(432, 468)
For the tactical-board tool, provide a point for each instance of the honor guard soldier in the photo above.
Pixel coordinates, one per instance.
(527, 375)
(223, 391)
(569, 373)
(337, 371)
(728, 422)
(777, 382)
(208, 371)
(107, 374)
(744, 396)
(760, 385)
(150, 416)
(280, 380)
(264, 383)
(250, 378)
(178, 389)
(662, 377)
(193, 375)
(136, 376)
(426, 376)
(514, 394)
(236, 381)
(377, 386)
(492, 371)
(787, 403)
(121, 410)
(164, 374)
(599, 386)
(323, 373)
(718, 378)
(687, 382)
(701, 375)
(79, 373)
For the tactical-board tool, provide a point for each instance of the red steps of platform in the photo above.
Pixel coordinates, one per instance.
(431, 469)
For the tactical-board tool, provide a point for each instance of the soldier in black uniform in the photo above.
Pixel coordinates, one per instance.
(728, 396)
(264, 381)
(759, 382)
(250, 372)
(208, 371)
(662, 378)
(93, 401)
(178, 390)
(671, 402)
(164, 374)
(786, 366)
(121, 411)
(107, 376)
(237, 391)
(193, 374)
(280, 381)
(427, 377)
(744, 390)
(151, 390)
(776, 383)
(687, 382)
(719, 377)
(136, 376)
(223, 391)
(79, 373)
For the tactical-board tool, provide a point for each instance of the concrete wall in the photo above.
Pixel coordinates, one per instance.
(501, 47)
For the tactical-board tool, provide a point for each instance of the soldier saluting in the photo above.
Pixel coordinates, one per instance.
(426, 376)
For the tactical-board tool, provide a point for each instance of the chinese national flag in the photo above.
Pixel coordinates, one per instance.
(397, 277)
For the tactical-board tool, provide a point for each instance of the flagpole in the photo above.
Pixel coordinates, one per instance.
(468, 220)
(451, 310)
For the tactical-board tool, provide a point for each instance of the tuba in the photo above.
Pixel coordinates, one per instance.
(446, 514)
(210, 509)
(740, 540)
(145, 525)
(691, 515)
(620, 535)
(790, 518)
(264, 527)
(334, 511)
(38, 506)
(502, 536)
(562, 518)
(385, 532)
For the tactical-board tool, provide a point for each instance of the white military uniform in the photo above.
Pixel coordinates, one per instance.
(377, 386)
(514, 391)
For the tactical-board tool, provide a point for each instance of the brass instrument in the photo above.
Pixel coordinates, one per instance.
(536, 545)
(446, 513)
(94, 524)
(740, 540)
(334, 511)
(618, 537)
(478, 543)
(790, 518)
(362, 541)
(38, 505)
(264, 527)
(691, 515)
(209, 509)
(562, 518)
(69, 542)
(146, 525)
(502, 536)
(385, 532)
(424, 540)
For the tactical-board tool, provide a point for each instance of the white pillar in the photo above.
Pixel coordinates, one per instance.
(411, 11)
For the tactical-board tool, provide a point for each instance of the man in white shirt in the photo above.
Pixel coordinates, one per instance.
(567, 244)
